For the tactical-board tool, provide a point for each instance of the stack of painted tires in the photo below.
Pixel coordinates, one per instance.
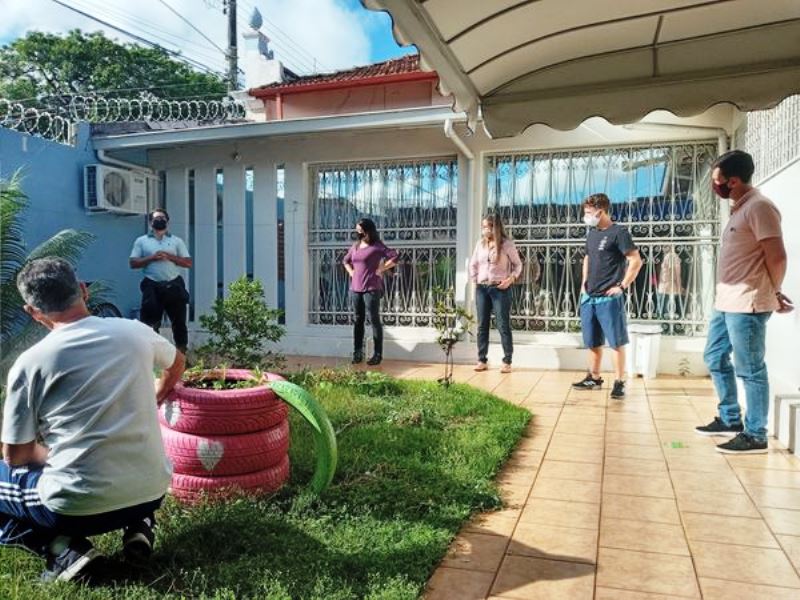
(226, 441)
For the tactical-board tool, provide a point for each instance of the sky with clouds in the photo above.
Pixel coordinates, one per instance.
(307, 35)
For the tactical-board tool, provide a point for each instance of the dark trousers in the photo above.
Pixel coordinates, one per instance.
(26, 522)
(367, 302)
(491, 298)
(171, 297)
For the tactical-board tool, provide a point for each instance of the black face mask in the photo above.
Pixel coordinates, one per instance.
(360, 235)
(159, 224)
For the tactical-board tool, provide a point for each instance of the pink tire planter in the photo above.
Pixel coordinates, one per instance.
(224, 412)
(222, 455)
(224, 442)
(190, 488)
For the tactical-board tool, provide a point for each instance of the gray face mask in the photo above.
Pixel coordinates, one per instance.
(591, 220)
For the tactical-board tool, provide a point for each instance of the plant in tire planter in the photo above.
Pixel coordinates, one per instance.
(226, 429)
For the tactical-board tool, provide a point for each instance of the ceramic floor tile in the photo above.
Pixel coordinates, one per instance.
(492, 524)
(556, 469)
(538, 579)
(782, 521)
(647, 572)
(615, 594)
(735, 505)
(565, 489)
(594, 442)
(559, 513)
(555, 543)
(476, 552)
(721, 482)
(770, 478)
(728, 530)
(634, 466)
(657, 486)
(744, 563)
(791, 546)
(630, 451)
(642, 536)
(641, 508)
(574, 453)
(719, 589)
(771, 497)
(458, 584)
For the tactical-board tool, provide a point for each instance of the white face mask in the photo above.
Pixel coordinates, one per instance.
(592, 220)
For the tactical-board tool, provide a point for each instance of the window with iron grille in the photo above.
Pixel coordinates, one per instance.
(662, 193)
(413, 204)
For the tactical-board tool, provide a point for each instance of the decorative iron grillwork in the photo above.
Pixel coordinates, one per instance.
(771, 136)
(413, 204)
(661, 193)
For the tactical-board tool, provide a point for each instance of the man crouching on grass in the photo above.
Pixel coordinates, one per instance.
(82, 450)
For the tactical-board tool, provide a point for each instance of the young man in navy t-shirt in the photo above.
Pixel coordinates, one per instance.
(610, 266)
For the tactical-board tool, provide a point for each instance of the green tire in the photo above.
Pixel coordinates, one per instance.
(324, 436)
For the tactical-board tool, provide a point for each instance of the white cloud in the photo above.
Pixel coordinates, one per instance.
(301, 30)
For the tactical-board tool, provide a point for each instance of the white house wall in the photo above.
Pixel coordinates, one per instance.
(783, 331)
(297, 153)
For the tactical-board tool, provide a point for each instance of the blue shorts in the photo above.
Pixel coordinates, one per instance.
(603, 318)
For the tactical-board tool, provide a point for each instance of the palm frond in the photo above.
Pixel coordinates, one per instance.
(12, 244)
(68, 244)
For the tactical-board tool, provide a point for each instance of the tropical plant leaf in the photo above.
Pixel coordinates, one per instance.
(68, 244)
(12, 244)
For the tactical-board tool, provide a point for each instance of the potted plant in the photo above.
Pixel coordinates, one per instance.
(226, 427)
(452, 323)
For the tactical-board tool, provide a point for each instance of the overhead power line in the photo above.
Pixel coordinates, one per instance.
(190, 24)
(173, 53)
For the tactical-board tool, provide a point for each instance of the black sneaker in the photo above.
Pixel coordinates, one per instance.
(358, 357)
(618, 393)
(717, 427)
(743, 444)
(588, 383)
(138, 540)
(375, 360)
(70, 561)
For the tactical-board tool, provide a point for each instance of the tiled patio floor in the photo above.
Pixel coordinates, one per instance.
(621, 500)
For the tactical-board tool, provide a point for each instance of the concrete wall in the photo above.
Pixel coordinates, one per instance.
(783, 331)
(52, 178)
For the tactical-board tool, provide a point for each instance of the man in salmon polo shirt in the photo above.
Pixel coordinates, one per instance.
(752, 265)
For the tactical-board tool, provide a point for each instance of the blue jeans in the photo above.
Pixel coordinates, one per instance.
(363, 303)
(26, 522)
(744, 334)
(488, 298)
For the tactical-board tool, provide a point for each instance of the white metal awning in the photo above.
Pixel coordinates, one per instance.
(559, 62)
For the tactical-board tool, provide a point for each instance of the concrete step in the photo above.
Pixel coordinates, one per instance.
(784, 420)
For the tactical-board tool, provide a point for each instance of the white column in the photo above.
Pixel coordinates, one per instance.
(234, 240)
(177, 202)
(265, 230)
(296, 249)
(205, 230)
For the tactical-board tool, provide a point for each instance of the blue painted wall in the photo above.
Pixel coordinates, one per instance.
(53, 181)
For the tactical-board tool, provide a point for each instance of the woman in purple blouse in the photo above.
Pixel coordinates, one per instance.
(494, 267)
(366, 262)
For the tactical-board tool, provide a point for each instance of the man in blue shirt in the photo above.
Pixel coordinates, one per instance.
(161, 256)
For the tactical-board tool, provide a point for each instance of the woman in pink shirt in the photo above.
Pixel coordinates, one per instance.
(494, 267)
(366, 262)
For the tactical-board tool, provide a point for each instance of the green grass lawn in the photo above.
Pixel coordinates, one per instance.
(416, 460)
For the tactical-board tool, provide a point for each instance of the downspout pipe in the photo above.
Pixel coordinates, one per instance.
(463, 289)
(103, 157)
(451, 134)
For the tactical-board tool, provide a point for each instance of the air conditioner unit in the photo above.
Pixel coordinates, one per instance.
(110, 189)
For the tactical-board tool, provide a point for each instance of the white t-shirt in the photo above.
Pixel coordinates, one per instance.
(87, 391)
